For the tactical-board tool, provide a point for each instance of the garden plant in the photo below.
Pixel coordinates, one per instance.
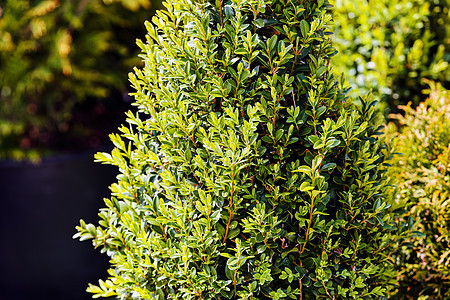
(55, 54)
(422, 173)
(390, 45)
(247, 173)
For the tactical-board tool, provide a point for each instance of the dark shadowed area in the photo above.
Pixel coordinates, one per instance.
(40, 207)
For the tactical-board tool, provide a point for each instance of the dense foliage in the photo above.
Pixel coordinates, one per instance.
(54, 54)
(246, 174)
(423, 176)
(390, 45)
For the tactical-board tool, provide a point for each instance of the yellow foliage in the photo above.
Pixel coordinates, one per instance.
(43, 8)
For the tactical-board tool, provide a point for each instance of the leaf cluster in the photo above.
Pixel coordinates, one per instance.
(423, 175)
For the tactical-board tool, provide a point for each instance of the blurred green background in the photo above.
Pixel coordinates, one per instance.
(388, 46)
(63, 64)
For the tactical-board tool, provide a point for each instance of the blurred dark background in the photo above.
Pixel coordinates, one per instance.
(40, 206)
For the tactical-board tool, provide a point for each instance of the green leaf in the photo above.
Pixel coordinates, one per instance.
(302, 169)
(328, 167)
(306, 186)
(304, 27)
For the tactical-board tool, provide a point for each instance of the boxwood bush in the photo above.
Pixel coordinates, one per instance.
(246, 173)
(390, 45)
(55, 54)
(423, 176)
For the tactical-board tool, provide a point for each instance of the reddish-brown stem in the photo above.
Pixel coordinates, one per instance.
(221, 14)
(229, 218)
(228, 227)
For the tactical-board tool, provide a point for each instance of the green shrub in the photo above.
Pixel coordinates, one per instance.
(390, 45)
(54, 54)
(423, 176)
(246, 173)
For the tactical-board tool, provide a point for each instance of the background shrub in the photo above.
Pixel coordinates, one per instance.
(54, 54)
(390, 45)
(422, 173)
(246, 174)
